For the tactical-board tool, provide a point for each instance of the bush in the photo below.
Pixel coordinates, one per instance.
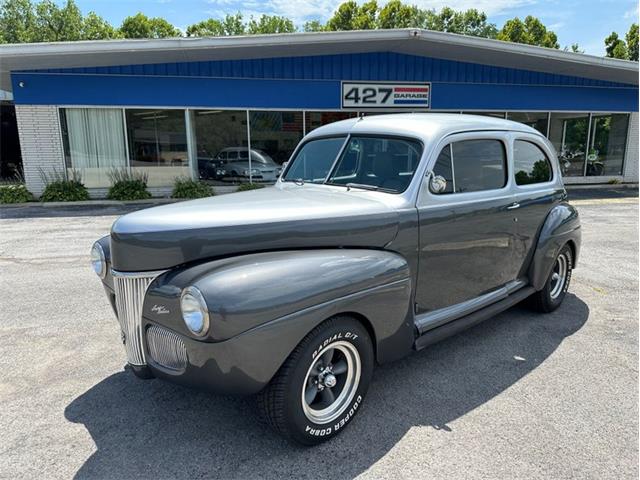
(61, 189)
(187, 188)
(16, 193)
(127, 185)
(249, 186)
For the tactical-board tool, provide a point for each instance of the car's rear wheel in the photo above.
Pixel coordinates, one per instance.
(321, 386)
(555, 288)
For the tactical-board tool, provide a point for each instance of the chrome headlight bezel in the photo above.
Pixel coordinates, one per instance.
(192, 304)
(98, 260)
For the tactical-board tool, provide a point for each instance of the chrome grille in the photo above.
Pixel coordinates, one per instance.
(166, 348)
(130, 290)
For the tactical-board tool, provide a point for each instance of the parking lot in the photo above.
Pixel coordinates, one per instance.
(522, 395)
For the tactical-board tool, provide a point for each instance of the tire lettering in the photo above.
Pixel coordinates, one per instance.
(327, 341)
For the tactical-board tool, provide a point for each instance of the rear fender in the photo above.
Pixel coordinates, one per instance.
(561, 226)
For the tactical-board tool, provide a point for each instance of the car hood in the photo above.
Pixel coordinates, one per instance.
(272, 218)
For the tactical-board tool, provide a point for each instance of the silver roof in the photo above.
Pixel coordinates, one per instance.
(426, 126)
(408, 41)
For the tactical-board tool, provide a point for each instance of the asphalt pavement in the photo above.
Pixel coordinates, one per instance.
(522, 395)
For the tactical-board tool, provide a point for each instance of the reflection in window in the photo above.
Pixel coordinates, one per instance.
(537, 120)
(276, 133)
(607, 144)
(444, 168)
(479, 165)
(93, 140)
(158, 144)
(568, 134)
(314, 159)
(487, 114)
(318, 119)
(220, 136)
(531, 165)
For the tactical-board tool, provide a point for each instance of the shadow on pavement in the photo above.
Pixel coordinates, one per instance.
(155, 429)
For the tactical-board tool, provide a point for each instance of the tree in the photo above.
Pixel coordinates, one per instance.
(468, 22)
(17, 21)
(531, 32)
(94, 27)
(206, 28)
(55, 24)
(615, 46)
(575, 48)
(632, 42)
(270, 24)
(141, 26)
(233, 24)
(313, 26)
(344, 16)
(397, 15)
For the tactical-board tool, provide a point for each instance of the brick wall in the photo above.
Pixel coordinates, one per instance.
(631, 160)
(40, 143)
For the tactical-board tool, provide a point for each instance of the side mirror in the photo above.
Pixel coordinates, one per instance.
(437, 183)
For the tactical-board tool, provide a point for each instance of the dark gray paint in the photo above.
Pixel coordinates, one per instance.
(274, 263)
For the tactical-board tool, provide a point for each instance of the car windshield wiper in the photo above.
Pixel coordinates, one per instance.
(365, 186)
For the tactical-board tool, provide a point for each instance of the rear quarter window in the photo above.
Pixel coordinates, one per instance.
(531, 164)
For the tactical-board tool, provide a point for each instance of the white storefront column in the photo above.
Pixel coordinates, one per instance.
(40, 144)
(631, 155)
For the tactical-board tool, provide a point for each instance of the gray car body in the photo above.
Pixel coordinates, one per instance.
(413, 267)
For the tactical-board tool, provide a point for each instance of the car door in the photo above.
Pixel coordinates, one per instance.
(536, 192)
(467, 232)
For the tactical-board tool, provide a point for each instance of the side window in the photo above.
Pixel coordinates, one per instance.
(531, 164)
(443, 168)
(479, 165)
(472, 166)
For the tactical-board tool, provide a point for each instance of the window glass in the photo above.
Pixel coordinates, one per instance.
(607, 144)
(275, 135)
(531, 165)
(443, 168)
(219, 136)
(317, 119)
(487, 114)
(385, 163)
(94, 144)
(568, 134)
(158, 145)
(479, 165)
(314, 159)
(537, 120)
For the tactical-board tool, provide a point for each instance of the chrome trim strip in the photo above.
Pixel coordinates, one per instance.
(437, 318)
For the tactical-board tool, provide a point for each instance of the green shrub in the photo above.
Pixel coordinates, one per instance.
(249, 186)
(187, 188)
(127, 185)
(63, 189)
(614, 181)
(16, 193)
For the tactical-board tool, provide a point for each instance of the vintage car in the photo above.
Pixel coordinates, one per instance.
(235, 162)
(383, 235)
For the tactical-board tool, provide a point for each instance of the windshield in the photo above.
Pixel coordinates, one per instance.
(375, 163)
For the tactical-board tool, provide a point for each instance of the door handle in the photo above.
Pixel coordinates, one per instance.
(513, 206)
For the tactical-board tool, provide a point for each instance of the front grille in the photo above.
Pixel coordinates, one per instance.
(130, 290)
(166, 348)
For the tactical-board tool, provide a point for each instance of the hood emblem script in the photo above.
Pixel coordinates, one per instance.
(159, 309)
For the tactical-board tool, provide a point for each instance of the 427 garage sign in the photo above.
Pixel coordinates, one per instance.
(385, 95)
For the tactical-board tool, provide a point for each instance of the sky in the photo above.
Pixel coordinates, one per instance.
(586, 22)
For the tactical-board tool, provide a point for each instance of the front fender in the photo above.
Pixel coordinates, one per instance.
(249, 291)
(562, 225)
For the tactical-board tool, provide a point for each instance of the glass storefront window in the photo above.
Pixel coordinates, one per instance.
(318, 119)
(158, 144)
(274, 136)
(537, 120)
(607, 143)
(93, 140)
(221, 143)
(487, 114)
(568, 134)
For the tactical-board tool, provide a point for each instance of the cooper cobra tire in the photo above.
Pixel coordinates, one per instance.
(321, 386)
(555, 288)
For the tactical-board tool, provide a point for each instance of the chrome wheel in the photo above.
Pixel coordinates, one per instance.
(331, 382)
(559, 276)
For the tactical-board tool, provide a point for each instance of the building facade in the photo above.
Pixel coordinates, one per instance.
(233, 110)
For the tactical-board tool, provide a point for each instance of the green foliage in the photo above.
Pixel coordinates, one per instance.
(313, 26)
(187, 188)
(270, 24)
(127, 185)
(531, 32)
(249, 186)
(575, 48)
(141, 26)
(23, 21)
(63, 189)
(234, 25)
(206, 28)
(468, 22)
(632, 42)
(615, 46)
(16, 193)
(397, 15)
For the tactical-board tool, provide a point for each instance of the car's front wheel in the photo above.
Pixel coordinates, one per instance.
(555, 289)
(321, 386)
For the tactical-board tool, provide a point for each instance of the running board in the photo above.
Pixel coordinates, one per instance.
(455, 326)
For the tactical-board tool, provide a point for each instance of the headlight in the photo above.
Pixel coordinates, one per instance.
(98, 260)
(254, 171)
(194, 311)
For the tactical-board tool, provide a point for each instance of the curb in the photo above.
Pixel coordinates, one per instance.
(601, 186)
(93, 203)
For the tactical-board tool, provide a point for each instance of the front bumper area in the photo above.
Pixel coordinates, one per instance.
(228, 367)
